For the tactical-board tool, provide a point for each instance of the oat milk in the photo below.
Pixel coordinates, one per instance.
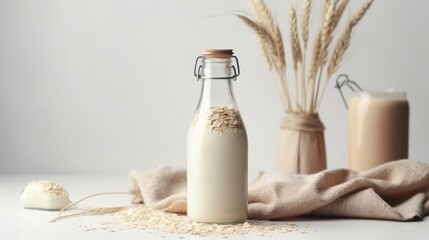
(378, 129)
(217, 172)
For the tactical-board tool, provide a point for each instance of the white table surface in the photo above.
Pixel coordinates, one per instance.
(19, 223)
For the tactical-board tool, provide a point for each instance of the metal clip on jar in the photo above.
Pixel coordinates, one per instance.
(217, 144)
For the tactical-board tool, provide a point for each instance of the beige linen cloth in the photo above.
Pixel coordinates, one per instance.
(397, 190)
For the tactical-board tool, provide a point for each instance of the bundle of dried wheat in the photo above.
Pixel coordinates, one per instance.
(326, 56)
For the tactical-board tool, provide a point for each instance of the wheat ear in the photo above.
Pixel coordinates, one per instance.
(305, 29)
(326, 39)
(266, 42)
(359, 15)
(344, 40)
(94, 211)
(280, 50)
(104, 211)
(295, 42)
(264, 17)
(268, 49)
(317, 47)
(296, 49)
(326, 4)
(339, 50)
(263, 14)
(327, 31)
(306, 10)
(344, 43)
(339, 13)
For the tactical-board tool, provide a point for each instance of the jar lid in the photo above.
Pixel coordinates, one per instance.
(217, 53)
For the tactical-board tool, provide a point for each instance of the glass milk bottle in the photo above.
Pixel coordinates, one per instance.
(217, 144)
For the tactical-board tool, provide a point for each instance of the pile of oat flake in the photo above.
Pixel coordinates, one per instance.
(160, 222)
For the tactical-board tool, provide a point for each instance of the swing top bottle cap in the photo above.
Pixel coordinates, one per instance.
(217, 53)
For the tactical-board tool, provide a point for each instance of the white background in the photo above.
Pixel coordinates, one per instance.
(106, 86)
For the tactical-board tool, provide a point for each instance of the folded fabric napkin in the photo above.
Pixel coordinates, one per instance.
(397, 190)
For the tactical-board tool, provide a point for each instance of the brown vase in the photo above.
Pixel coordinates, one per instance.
(302, 144)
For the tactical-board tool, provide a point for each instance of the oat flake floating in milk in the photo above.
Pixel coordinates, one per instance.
(217, 144)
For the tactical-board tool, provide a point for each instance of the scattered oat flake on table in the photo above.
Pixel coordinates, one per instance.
(160, 222)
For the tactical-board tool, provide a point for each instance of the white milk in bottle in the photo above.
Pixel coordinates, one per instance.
(217, 145)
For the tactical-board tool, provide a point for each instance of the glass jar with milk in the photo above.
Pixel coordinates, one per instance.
(378, 125)
(378, 128)
(217, 144)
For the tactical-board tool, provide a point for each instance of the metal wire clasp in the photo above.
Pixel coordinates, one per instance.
(343, 79)
(198, 66)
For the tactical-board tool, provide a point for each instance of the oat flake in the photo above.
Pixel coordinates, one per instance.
(221, 118)
(160, 222)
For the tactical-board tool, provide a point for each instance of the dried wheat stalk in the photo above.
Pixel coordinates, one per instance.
(317, 48)
(339, 50)
(268, 47)
(272, 49)
(317, 63)
(296, 49)
(296, 46)
(280, 49)
(344, 40)
(103, 211)
(266, 42)
(359, 15)
(326, 4)
(326, 39)
(305, 26)
(327, 31)
(306, 9)
(344, 43)
(339, 13)
(264, 16)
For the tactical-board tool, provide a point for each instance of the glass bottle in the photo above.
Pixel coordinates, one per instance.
(217, 146)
